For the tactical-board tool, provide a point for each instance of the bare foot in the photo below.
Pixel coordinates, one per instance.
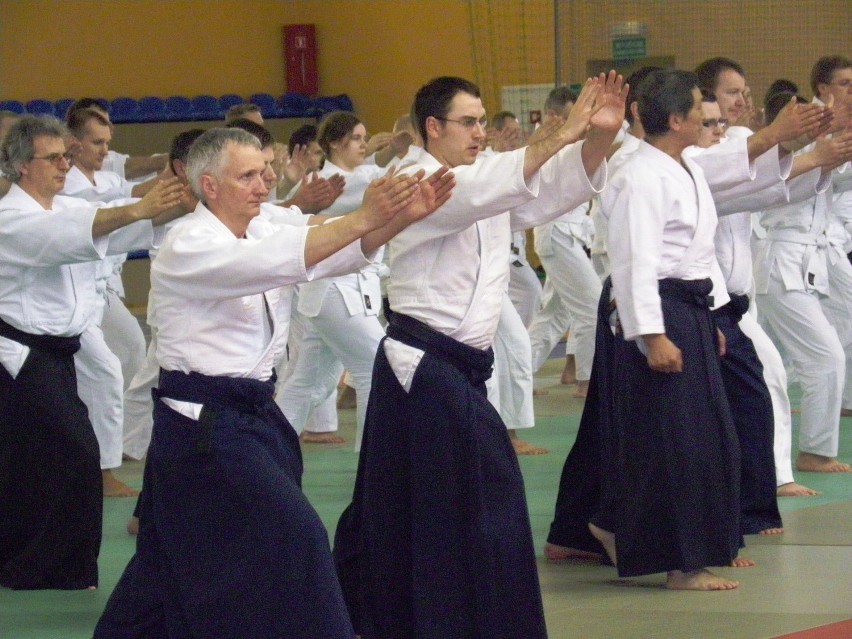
(114, 487)
(792, 489)
(539, 392)
(701, 579)
(558, 554)
(133, 525)
(321, 438)
(525, 448)
(742, 562)
(91, 588)
(607, 540)
(771, 531)
(810, 463)
(582, 388)
(569, 373)
(346, 397)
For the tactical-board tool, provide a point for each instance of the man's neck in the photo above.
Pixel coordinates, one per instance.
(45, 200)
(89, 173)
(668, 145)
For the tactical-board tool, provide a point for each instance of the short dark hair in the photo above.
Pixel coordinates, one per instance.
(336, 126)
(558, 98)
(778, 101)
(500, 118)
(825, 67)
(780, 86)
(86, 103)
(302, 136)
(706, 96)
(179, 150)
(257, 130)
(239, 110)
(662, 94)
(708, 72)
(634, 81)
(433, 100)
(78, 119)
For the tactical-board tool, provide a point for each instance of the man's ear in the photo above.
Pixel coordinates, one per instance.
(433, 127)
(675, 121)
(209, 186)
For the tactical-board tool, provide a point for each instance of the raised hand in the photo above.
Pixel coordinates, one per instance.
(388, 195)
(834, 151)
(507, 140)
(163, 196)
(317, 194)
(610, 102)
(378, 141)
(297, 166)
(795, 120)
(433, 193)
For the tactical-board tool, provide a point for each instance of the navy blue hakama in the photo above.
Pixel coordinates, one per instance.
(437, 542)
(751, 409)
(51, 489)
(679, 457)
(228, 544)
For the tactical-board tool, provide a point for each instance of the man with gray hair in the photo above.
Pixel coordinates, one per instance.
(50, 481)
(228, 544)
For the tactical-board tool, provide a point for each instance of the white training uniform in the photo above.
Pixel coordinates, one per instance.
(250, 309)
(790, 279)
(342, 322)
(468, 240)
(571, 290)
(106, 363)
(733, 250)
(598, 249)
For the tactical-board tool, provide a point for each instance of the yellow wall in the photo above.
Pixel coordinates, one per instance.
(377, 51)
(380, 51)
(770, 38)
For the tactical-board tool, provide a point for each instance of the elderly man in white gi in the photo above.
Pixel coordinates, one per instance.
(50, 483)
(228, 543)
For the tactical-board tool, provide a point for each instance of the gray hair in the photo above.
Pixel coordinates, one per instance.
(207, 154)
(18, 147)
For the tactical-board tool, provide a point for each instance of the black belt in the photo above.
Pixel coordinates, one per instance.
(54, 343)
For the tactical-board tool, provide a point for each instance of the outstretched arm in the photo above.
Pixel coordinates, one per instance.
(159, 205)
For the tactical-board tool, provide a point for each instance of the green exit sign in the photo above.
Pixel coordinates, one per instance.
(630, 48)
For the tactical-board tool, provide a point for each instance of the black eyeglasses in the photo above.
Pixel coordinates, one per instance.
(56, 158)
(468, 121)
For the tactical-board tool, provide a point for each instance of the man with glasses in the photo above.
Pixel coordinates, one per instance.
(50, 480)
(437, 541)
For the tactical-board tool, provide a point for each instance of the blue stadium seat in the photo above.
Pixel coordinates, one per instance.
(205, 107)
(344, 103)
(327, 104)
(227, 101)
(269, 107)
(40, 107)
(179, 108)
(153, 109)
(14, 106)
(123, 110)
(60, 107)
(296, 105)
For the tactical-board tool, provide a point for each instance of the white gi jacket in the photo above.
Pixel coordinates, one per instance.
(361, 292)
(662, 222)
(222, 304)
(450, 270)
(48, 261)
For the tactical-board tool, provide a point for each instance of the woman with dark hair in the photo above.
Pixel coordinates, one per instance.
(342, 313)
